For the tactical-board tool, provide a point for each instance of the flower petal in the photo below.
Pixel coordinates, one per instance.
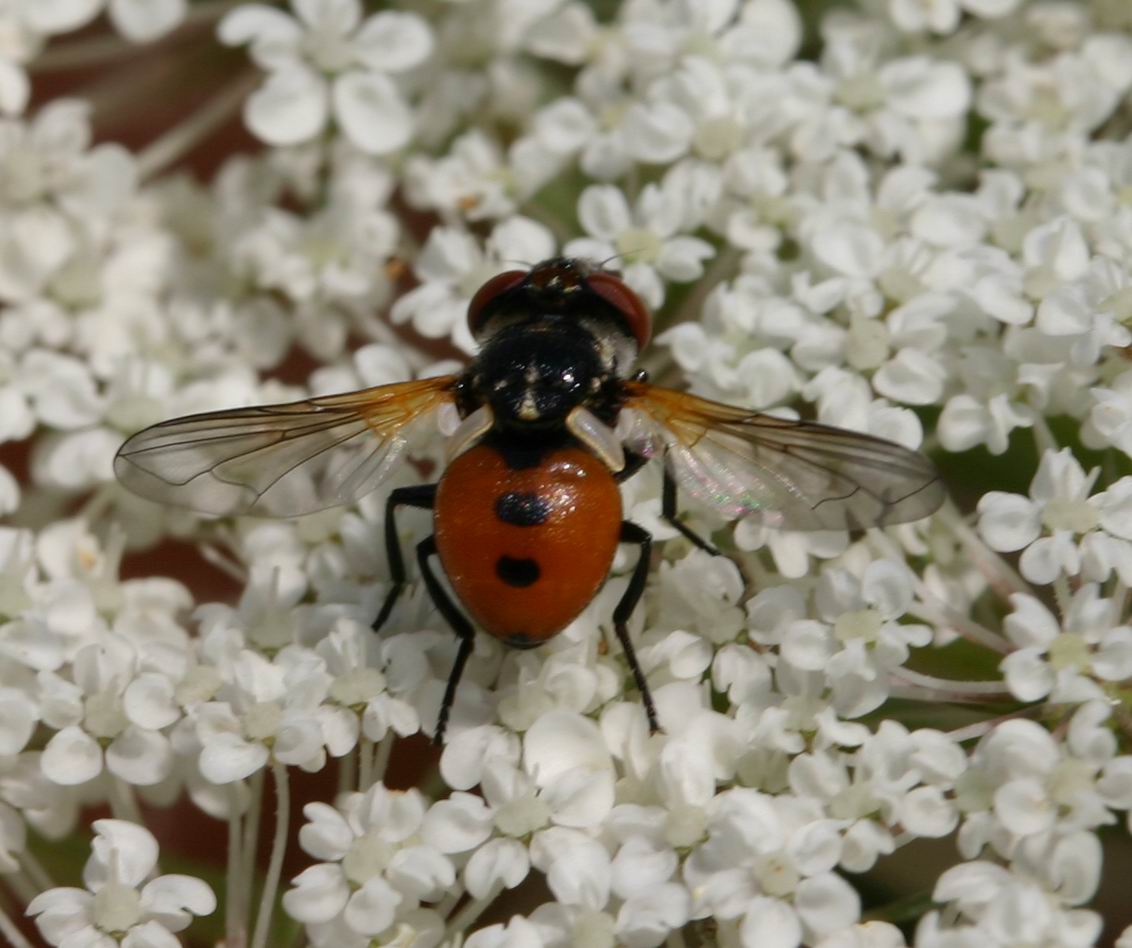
(319, 894)
(391, 41)
(371, 112)
(121, 851)
(141, 21)
(1008, 522)
(373, 907)
(291, 107)
(770, 923)
(71, 757)
(228, 757)
(502, 863)
(140, 757)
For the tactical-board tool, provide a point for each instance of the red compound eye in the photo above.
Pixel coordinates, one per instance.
(493, 288)
(614, 291)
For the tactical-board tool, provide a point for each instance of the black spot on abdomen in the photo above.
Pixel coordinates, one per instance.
(522, 509)
(517, 572)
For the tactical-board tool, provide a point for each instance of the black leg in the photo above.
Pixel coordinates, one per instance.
(633, 463)
(460, 625)
(668, 512)
(631, 533)
(421, 496)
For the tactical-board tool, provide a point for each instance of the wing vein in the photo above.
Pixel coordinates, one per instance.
(792, 474)
(279, 460)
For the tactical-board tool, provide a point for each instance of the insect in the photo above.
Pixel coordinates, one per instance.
(527, 514)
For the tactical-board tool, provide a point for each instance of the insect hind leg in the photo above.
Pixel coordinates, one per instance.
(633, 463)
(460, 625)
(632, 533)
(421, 496)
(668, 513)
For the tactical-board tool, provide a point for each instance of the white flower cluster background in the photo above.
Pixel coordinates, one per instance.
(911, 218)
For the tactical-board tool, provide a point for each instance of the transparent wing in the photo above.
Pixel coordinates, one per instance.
(279, 460)
(796, 475)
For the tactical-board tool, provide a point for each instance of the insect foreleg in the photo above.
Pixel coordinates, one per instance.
(631, 533)
(421, 496)
(460, 625)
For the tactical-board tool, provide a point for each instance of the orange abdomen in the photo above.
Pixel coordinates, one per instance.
(527, 540)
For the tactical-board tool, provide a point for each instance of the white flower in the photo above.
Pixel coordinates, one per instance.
(1057, 658)
(453, 265)
(700, 106)
(1046, 525)
(96, 726)
(968, 420)
(698, 593)
(650, 240)
(331, 265)
(118, 903)
(517, 933)
(270, 710)
(566, 779)
(137, 22)
(376, 866)
(943, 16)
(912, 106)
(330, 62)
(360, 689)
(1081, 302)
(1080, 87)
(1005, 906)
(1111, 415)
(473, 179)
(51, 158)
(1024, 792)
(859, 640)
(22, 42)
(768, 861)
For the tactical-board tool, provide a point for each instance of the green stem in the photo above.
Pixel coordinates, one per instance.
(1062, 595)
(21, 885)
(962, 690)
(946, 617)
(275, 863)
(250, 844)
(347, 772)
(1000, 575)
(1043, 436)
(979, 728)
(365, 764)
(235, 919)
(213, 555)
(381, 757)
(11, 933)
(101, 50)
(467, 916)
(171, 147)
(35, 871)
(123, 803)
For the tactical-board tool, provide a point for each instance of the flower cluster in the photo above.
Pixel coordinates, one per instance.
(908, 218)
(121, 902)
